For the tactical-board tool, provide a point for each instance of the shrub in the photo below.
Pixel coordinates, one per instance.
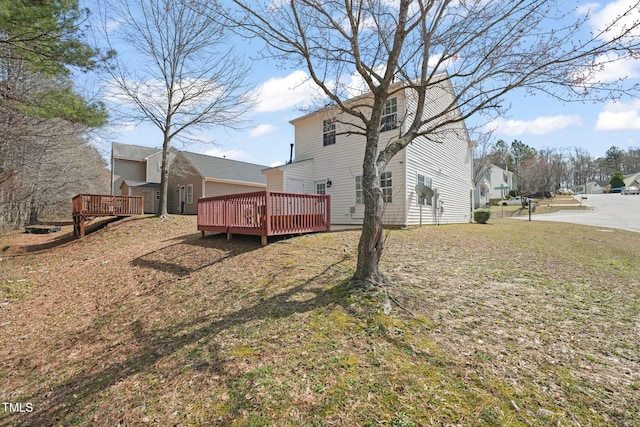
(481, 215)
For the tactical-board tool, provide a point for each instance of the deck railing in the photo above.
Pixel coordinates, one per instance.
(85, 206)
(264, 213)
(107, 205)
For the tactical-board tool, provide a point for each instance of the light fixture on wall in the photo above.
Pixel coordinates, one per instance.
(329, 183)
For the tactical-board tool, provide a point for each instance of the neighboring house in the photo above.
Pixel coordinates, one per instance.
(593, 187)
(329, 161)
(494, 184)
(136, 172)
(192, 176)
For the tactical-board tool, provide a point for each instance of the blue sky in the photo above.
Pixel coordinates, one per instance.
(538, 121)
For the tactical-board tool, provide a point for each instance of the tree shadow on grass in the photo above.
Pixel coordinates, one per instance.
(68, 400)
(191, 253)
(66, 238)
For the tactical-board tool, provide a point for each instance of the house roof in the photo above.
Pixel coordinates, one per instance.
(631, 179)
(439, 78)
(132, 152)
(139, 184)
(210, 167)
(285, 166)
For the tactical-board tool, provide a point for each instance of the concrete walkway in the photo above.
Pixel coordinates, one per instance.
(604, 210)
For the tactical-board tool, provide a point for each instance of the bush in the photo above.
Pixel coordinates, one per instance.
(481, 215)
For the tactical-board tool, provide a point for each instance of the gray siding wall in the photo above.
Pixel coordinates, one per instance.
(183, 174)
(127, 169)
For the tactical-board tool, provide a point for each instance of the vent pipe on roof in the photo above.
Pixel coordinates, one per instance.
(291, 153)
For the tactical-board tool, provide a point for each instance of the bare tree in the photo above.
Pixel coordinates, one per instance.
(581, 166)
(631, 160)
(489, 48)
(44, 156)
(184, 75)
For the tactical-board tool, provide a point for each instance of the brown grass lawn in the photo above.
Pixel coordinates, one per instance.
(512, 323)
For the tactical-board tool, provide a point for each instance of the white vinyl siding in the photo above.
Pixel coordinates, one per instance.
(341, 163)
(448, 162)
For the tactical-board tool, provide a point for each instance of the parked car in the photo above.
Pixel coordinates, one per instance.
(513, 201)
(630, 190)
(616, 190)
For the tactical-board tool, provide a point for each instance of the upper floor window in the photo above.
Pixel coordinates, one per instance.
(389, 119)
(329, 132)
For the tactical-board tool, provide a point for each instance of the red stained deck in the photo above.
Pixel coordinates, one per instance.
(87, 206)
(264, 213)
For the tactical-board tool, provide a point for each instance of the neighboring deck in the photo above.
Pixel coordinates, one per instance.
(264, 213)
(94, 205)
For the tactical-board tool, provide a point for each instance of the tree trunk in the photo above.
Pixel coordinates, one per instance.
(367, 275)
(371, 244)
(164, 180)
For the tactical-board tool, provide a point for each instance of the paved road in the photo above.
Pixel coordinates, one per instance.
(605, 210)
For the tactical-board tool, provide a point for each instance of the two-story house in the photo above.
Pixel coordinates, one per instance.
(495, 184)
(328, 160)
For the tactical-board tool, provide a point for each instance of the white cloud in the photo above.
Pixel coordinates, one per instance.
(277, 163)
(263, 129)
(625, 11)
(283, 93)
(124, 127)
(619, 116)
(587, 8)
(538, 126)
(229, 154)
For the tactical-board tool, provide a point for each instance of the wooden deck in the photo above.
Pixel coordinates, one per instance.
(87, 206)
(264, 213)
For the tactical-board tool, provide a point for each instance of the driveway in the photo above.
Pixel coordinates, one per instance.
(605, 210)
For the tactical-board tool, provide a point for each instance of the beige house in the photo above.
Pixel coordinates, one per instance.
(328, 160)
(197, 175)
(136, 172)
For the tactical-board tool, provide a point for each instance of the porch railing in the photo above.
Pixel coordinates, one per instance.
(264, 213)
(93, 205)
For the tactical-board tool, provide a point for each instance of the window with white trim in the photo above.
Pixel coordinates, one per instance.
(424, 180)
(190, 193)
(389, 119)
(329, 132)
(359, 192)
(386, 185)
(158, 195)
(321, 187)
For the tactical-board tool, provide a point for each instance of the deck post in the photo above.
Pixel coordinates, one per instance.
(263, 240)
(229, 237)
